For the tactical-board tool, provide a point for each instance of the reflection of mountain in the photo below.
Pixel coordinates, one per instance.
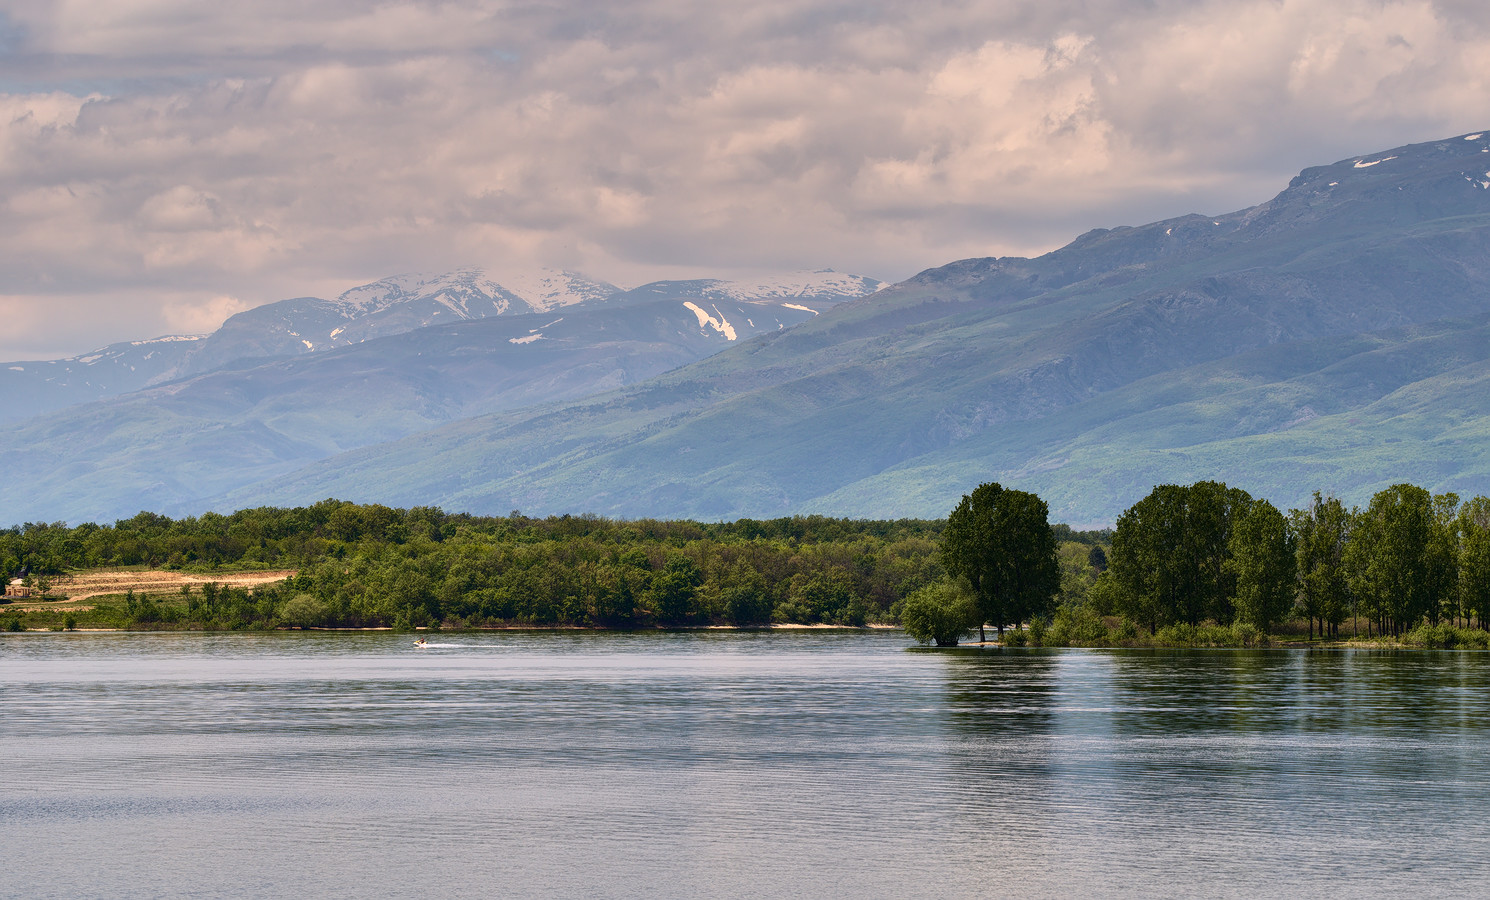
(273, 399)
(1336, 337)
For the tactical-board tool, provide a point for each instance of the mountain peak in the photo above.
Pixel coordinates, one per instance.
(471, 293)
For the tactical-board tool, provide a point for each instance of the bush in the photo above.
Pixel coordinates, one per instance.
(1185, 635)
(943, 613)
(1077, 625)
(1447, 637)
(304, 611)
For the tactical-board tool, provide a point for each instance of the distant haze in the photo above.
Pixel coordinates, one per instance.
(166, 164)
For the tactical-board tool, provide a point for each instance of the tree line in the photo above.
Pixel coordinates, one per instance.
(1206, 551)
(376, 566)
(1185, 556)
(1211, 555)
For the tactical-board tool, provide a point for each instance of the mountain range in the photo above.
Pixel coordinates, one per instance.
(1335, 337)
(298, 380)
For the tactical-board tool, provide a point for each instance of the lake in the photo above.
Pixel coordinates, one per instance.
(723, 764)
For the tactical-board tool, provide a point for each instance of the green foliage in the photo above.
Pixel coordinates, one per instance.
(1262, 560)
(1077, 571)
(822, 599)
(1078, 626)
(1001, 542)
(362, 566)
(745, 599)
(1107, 595)
(1409, 560)
(1446, 637)
(1401, 559)
(1474, 558)
(671, 593)
(1170, 553)
(1321, 534)
(305, 611)
(1184, 634)
(944, 613)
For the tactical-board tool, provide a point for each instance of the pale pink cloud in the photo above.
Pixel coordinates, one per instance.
(158, 153)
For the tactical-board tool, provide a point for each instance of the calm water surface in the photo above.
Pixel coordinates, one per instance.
(732, 765)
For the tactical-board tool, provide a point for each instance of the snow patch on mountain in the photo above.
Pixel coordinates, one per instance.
(720, 324)
(808, 285)
(547, 289)
(471, 293)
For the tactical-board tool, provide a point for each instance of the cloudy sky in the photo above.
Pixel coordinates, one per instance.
(164, 163)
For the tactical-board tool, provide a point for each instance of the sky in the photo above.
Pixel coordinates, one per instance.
(165, 163)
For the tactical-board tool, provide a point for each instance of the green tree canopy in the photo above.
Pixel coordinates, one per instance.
(1321, 534)
(944, 612)
(1169, 554)
(1474, 559)
(1262, 560)
(1000, 540)
(1400, 563)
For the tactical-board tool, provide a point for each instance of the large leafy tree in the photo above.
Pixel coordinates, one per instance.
(1170, 552)
(1474, 559)
(1211, 512)
(1262, 559)
(1150, 575)
(1401, 561)
(1000, 541)
(1321, 534)
(1443, 555)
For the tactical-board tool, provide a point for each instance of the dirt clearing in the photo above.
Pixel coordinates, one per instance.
(95, 584)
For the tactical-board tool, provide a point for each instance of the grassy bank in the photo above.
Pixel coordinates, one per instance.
(1082, 628)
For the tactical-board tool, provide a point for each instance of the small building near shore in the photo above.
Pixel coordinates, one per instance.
(17, 589)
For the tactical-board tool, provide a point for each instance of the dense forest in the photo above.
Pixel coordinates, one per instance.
(370, 566)
(1188, 564)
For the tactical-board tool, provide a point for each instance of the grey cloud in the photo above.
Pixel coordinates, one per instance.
(241, 155)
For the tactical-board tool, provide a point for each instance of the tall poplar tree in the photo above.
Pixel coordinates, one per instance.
(1474, 560)
(1321, 534)
(1152, 577)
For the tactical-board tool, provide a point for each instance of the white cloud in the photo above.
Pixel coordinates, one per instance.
(178, 151)
(201, 317)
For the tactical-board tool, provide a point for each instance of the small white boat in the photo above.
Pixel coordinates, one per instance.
(421, 643)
